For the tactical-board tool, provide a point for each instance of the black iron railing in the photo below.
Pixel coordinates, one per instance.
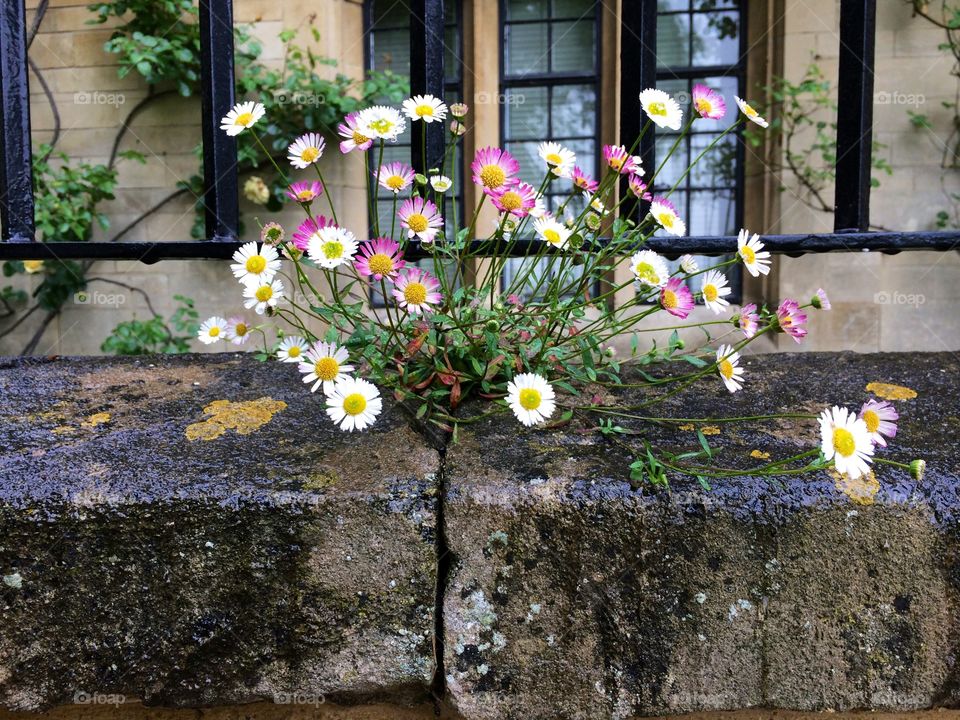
(637, 55)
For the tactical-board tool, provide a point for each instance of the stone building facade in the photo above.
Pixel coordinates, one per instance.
(880, 302)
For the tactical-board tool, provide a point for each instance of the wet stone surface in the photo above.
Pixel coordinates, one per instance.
(574, 594)
(194, 531)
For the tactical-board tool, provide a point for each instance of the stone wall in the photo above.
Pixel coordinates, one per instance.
(193, 532)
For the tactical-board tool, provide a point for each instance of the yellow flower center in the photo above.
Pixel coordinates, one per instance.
(424, 110)
(530, 399)
(616, 162)
(415, 293)
(354, 404)
(256, 264)
(710, 293)
(359, 139)
(748, 255)
(666, 219)
(551, 236)
(704, 106)
(554, 159)
(646, 273)
(214, 331)
(669, 299)
(380, 264)
(310, 154)
(244, 119)
(294, 351)
(395, 183)
(326, 369)
(511, 200)
(657, 108)
(417, 222)
(305, 195)
(332, 249)
(726, 368)
(382, 126)
(872, 420)
(749, 111)
(843, 442)
(240, 329)
(492, 176)
(264, 293)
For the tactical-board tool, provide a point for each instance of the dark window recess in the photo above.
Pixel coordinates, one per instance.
(639, 20)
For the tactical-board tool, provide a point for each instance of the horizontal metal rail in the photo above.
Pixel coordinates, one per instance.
(792, 245)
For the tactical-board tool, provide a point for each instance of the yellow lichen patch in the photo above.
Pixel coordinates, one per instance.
(96, 419)
(244, 417)
(887, 391)
(710, 430)
(861, 491)
(759, 455)
(688, 428)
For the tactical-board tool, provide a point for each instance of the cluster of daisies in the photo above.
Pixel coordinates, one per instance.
(849, 439)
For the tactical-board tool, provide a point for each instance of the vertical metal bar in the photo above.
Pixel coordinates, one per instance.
(858, 24)
(638, 70)
(16, 158)
(426, 78)
(220, 191)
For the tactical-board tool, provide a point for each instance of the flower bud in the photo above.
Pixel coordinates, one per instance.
(610, 352)
(457, 127)
(256, 191)
(917, 468)
(592, 221)
(492, 325)
(459, 110)
(820, 301)
(420, 179)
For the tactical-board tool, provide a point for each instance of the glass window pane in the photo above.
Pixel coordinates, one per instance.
(673, 40)
(712, 213)
(390, 14)
(718, 167)
(715, 39)
(673, 165)
(526, 49)
(574, 48)
(671, 5)
(574, 111)
(530, 162)
(391, 51)
(524, 112)
(527, 9)
(565, 9)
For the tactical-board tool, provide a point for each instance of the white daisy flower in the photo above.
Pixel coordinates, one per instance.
(845, 439)
(553, 232)
(238, 330)
(559, 159)
(728, 365)
(243, 115)
(750, 113)
(354, 404)
(662, 109)
(212, 329)
(441, 183)
(292, 349)
(750, 250)
(715, 289)
(381, 122)
(305, 150)
(531, 398)
(425, 107)
(325, 364)
(664, 212)
(539, 208)
(261, 295)
(255, 264)
(332, 246)
(689, 264)
(650, 269)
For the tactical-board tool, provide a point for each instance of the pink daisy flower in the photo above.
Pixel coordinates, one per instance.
(748, 320)
(353, 138)
(881, 419)
(417, 291)
(517, 199)
(676, 298)
(792, 319)
(305, 192)
(820, 300)
(494, 168)
(308, 228)
(395, 176)
(708, 103)
(617, 159)
(380, 258)
(584, 181)
(639, 188)
(421, 219)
